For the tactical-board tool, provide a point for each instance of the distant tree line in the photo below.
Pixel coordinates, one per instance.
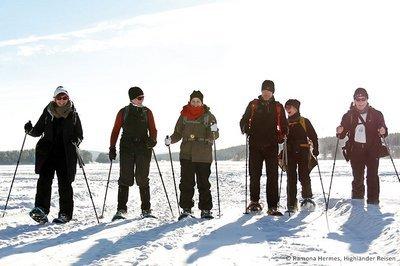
(326, 149)
(28, 157)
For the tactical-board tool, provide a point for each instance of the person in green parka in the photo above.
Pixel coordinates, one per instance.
(197, 128)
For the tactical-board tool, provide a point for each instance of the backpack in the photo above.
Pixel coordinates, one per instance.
(279, 131)
(126, 111)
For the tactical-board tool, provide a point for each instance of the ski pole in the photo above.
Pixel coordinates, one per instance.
(162, 181)
(15, 172)
(280, 188)
(216, 175)
(245, 197)
(322, 184)
(333, 170)
(173, 177)
(105, 195)
(81, 164)
(284, 167)
(391, 158)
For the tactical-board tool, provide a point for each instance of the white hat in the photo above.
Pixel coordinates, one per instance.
(60, 89)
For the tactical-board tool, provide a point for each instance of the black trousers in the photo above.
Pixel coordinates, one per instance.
(43, 189)
(257, 156)
(189, 171)
(361, 157)
(298, 163)
(134, 165)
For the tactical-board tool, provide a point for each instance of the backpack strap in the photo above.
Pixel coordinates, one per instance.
(254, 105)
(126, 111)
(302, 122)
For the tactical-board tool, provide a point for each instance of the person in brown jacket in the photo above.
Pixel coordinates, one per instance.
(197, 128)
(364, 126)
(139, 136)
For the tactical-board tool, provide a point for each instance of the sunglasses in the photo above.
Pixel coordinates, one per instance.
(59, 98)
(361, 99)
(140, 98)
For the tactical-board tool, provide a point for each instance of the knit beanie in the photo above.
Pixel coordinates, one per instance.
(197, 94)
(134, 92)
(293, 102)
(268, 85)
(360, 92)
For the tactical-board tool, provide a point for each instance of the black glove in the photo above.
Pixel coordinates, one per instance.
(76, 141)
(112, 154)
(150, 143)
(28, 127)
(315, 152)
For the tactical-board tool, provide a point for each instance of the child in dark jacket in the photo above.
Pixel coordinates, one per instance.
(302, 144)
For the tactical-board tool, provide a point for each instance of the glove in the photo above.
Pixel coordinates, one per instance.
(150, 143)
(28, 127)
(315, 152)
(214, 127)
(245, 129)
(76, 141)
(167, 140)
(112, 154)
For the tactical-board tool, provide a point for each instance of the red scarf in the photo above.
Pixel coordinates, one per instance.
(191, 112)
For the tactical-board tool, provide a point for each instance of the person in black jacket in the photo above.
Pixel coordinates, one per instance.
(60, 129)
(139, 136)
(301, 136)
(265, 123)
(364, 126)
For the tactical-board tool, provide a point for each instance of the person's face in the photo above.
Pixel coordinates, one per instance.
(361, 103)
(290, 110)
(266, 94)
(196, 102)
(61, 99)
(138, 101)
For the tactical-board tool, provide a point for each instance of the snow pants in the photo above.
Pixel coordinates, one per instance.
(257, 156)
(189, 171)
(361, 157)
(43, 189)
(298, 164)
(134, 165)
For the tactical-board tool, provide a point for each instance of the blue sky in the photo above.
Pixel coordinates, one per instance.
(41, 17)
(318, 52)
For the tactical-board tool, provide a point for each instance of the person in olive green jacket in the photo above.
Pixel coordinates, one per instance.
(197, 127)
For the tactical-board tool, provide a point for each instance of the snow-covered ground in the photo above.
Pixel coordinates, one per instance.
(351, 233)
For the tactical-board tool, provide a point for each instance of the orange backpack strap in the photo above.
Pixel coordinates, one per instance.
(254, 105)
(279, 130)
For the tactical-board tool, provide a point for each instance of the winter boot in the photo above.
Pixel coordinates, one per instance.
(292, 209)
(147, 214)
(254, 207)
(38, 215)
(273, 211)
(206, 214)
(62, 219)
(120, 215)
(185, 213)
(307, 204)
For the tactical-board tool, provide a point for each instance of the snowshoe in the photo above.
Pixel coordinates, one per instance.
(254, 207)
(38, 215)
(147, 214)
(274, 212)
(206, 214)
(120, 215)
(62, 219)
(185, 213)
(307, 204)
(291, 210)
